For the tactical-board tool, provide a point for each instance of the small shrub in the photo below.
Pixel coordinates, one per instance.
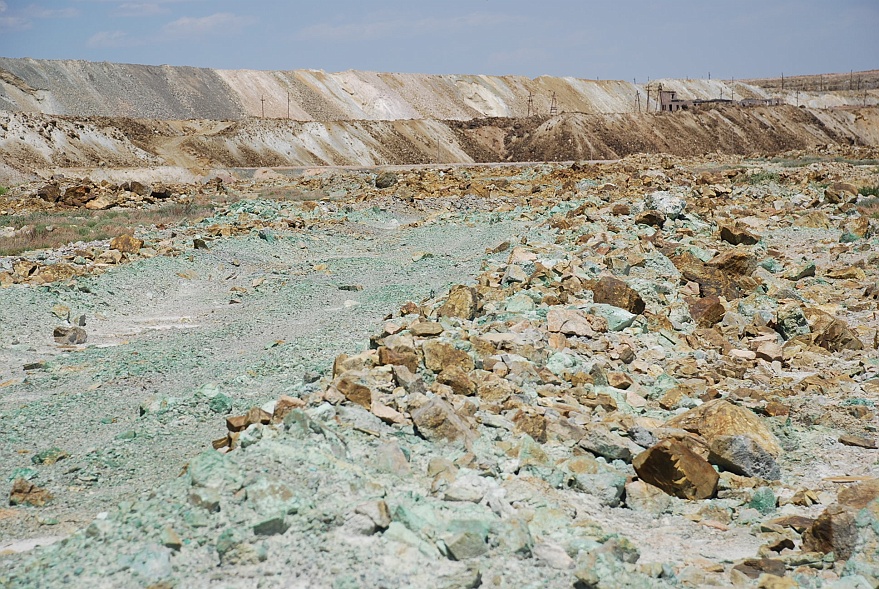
(763, 178)
(3, 190)
(870, 190)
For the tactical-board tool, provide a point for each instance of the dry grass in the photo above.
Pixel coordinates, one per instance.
(870, 207)
(56, 228)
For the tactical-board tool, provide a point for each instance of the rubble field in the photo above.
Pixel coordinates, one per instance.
(653, 372)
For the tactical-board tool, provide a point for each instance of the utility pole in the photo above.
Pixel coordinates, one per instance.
(530, 104)
(553, 106)
(851, 78)
(782, 81)
(288, 106)
(262, 99)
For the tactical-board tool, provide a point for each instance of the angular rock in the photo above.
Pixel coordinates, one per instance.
(677, 470)
(439, 355)
(385, 179)
(644, 497)
(834, 531)
(707, 311)
(24, 492)
(735, 261)
(652, 218)
(602, 442)
(744, 456)
(426, 328)
(791, 322)
(617, 293)
(462, 302)
(437, 421)
(719, 417)
(830, 333)
(568, 322)
(458, 380)
(70, 336)
(737, 235)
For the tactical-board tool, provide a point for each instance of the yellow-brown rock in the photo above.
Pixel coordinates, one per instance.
(439, 355)
(721, 418)
(126, 243)
(461, 303)
(677, 470)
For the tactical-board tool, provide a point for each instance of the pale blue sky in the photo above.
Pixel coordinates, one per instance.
(607, 39)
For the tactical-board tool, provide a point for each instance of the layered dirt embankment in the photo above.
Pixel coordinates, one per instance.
(79, 88)
(36, 145)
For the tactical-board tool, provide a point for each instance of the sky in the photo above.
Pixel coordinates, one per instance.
(608, 39)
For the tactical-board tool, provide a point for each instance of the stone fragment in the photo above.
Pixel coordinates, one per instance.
(755, 567)
(712, 281)
(126, 243)
(458, 380)
(861, 441)
(677, 470)
(834, 531)
(24, 492)
(398, 357)
(644, 497)
(385, 179)
(791, 322)
(377, 511)
(615, 292)
(70, 335)
(770, 351)
(744, 456)
(814, 220)
(738, 235)
(568, 322)
(602, 442)
(200, 244)
(355, 386)
(831, 333)
(735, 261)
(553, 556)
(439, 355)
(666, 203)
(437, 421)
(839, 192)
(426, 328)
(272, 526)
(617, 319)
(466, 544)
(707, 311)
(651, 218)
(532, 424)
(461, 303)
(719, 417)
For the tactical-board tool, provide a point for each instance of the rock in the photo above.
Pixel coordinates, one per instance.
(677, 470)
(617, 293)
(49, 457)
(439, 355)
(272, 526)
(770, 351)
(617, 319)
(437, 421)
(50, 193)
(721, 418)
(24, 492)
(834, 531)
(530, 423)
(458, 380)
(602, 442)
(568, 322)
(744, 456)
(466, 544)
(712, 281)
(735, 261)
(791, 322)
(839, 192)
(763, 500)
(552, 555)
(461, 303)
(651, 218)
(644, 497)
(400, 356)
(860, 495)
(806, 270)
(737, 235)
(70, 336)
(355, 385)
(385, 179)
(426, 329)
(707, 311)
(830, 333)
(813, 220)
(861, 441)
(126, 243)
(377, 511)
(200, 244)
(666, 203)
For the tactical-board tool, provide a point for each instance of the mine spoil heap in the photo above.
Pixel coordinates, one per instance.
(649, 371)
(667, 377)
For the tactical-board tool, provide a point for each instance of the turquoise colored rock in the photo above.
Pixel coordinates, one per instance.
(763, 500)
(616, 317)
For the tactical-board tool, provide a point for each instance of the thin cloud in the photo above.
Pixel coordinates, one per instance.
(140, 9)
(378, 29)
(111, 39)
(34, 11)
(224, 22)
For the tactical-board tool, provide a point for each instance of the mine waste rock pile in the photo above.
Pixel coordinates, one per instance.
(668, 378)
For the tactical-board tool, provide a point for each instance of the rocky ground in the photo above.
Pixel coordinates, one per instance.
(653, 372)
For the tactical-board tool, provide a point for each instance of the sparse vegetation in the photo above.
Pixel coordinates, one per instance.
(870, 190)
(763, 177)
(3, 190)
(52, 229)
